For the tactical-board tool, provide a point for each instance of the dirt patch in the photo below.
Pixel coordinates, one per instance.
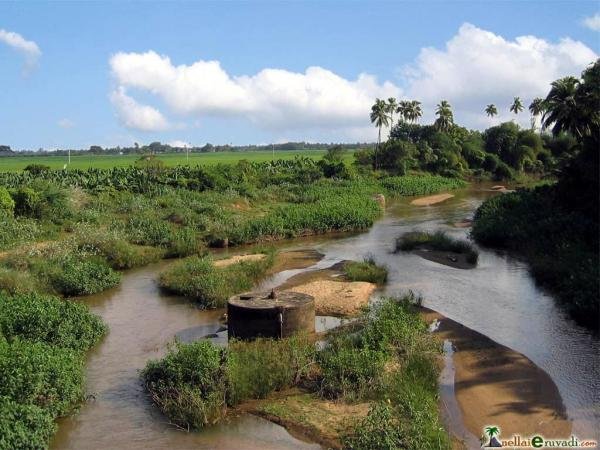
(451, 259)
(465, 223)
(295, 259)
(304, 414)
(239, 258)
(495, 385)
(431, 200)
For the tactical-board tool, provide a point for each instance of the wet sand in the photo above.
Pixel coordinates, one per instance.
(431, 199)
(451, 259)
(495, 385)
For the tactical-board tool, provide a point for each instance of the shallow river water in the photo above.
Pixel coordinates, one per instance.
(498, 299)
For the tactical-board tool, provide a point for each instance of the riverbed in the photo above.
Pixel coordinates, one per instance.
(498, 299)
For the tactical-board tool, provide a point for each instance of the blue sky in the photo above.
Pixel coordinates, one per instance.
(111, 73)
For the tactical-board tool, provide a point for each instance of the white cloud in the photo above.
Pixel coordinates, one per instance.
(273, 98)
(180, 144)
(65, 123)
(136, 116)
(592, 22)
(28, 49)
(478, 67)
(475, 68)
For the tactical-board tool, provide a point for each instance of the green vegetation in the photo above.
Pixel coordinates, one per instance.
(436, 241)
(556, 227)
(387, 357)
(420, 185)
(367, 270)
(197, 277)
(42, 347)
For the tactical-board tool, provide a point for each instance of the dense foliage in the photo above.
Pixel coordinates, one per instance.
(42, 345)
(556, 228)
(195, 382)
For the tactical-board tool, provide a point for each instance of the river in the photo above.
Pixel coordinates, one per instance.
(498, 299)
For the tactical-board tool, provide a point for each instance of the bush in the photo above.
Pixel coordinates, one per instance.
(35, 373)
(51, 320)
(24, 427)
(16, 281)
(262, 366)
(36, 169)
(7, 204)
(189, 384)
(83, 277)
(420, 185)
(119, 253)
(368, 270)
(439, 241)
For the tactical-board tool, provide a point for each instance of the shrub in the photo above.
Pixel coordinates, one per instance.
(439, 241)
(36, 169)
(25, 427)
(83, 277)
(259, 367)
(62, 323)
(368, 270)
(420, 185)
(119, 253)
(16, 281)
(7, 204)
(381, 429)
(189, 384)
(35, 373)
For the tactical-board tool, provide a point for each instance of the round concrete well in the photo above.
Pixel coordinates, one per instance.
(270, 315)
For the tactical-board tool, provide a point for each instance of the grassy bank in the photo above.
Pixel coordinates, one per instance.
(366, 270)
(560, 245)
(42, 347)
(197, 277)
(387, 358)
(438, 241)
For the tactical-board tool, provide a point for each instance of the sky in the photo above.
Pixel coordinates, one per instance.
(76, 74)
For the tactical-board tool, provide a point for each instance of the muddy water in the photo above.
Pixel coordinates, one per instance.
(142, 322)
(498, 299)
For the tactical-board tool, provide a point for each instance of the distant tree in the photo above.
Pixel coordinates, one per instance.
(445, 118)
(536, 108)
(380, 118)
(392, 105)
(491, 110)
(517, 106)
(413, 111)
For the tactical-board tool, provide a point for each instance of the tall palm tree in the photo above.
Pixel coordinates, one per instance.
(445, 118)
(392, 105)
(380, 118)
(491, 110)
(536, 108)
(402, 109)
(517, 106)
(413, 111)
(562, 111)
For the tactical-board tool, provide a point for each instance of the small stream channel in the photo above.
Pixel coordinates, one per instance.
(498, 299)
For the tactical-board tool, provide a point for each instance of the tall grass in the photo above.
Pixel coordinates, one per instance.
(437, 241)
(367, 270)
(210, 286)
(420, 184)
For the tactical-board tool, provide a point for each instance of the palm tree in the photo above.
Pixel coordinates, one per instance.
(517, 106)
(562, 111)
(392, 105)
(491, 110)
(380, 118)
(402, 109)
(414, 111)
(492, 431)
(445, 118)
(536, 108)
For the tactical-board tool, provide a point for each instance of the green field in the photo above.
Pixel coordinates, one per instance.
(15, 163)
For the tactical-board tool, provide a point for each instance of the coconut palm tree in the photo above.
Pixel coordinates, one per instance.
(517, 106)
(491, 110)
(414, 111)
(380, 118)
(402, 109)
(562, 110)
(536, 108)
(445, 118)
(392, 105)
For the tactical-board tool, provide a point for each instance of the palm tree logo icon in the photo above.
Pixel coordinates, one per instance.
(492, 431)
